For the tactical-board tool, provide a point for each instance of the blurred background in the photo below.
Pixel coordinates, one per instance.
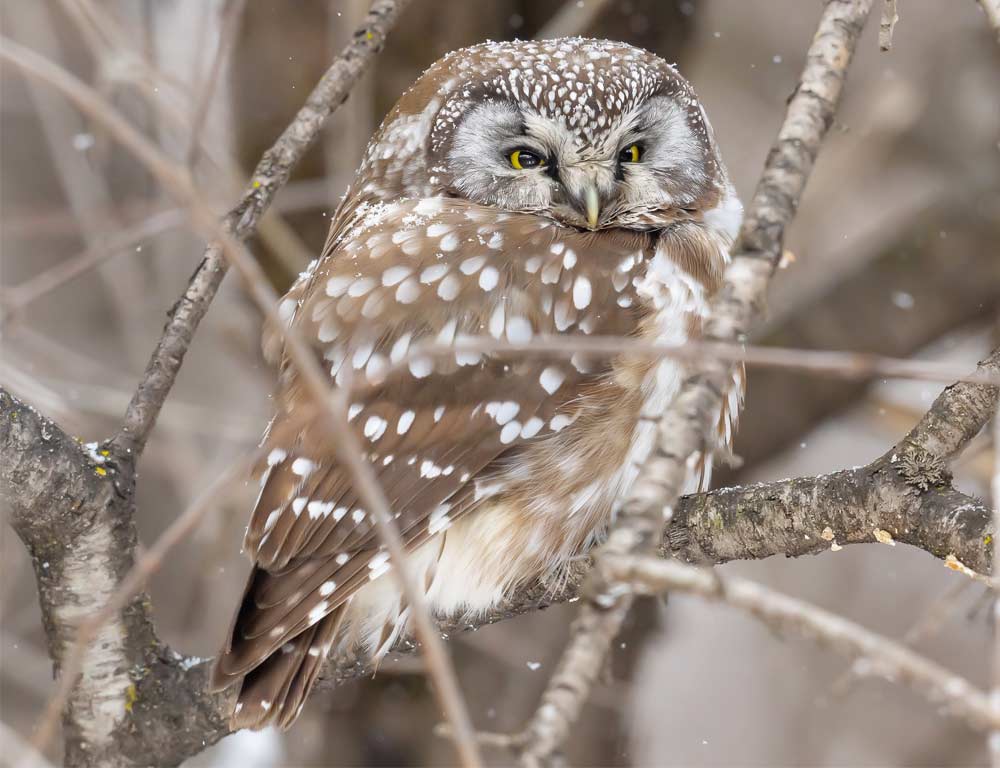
(896, 250)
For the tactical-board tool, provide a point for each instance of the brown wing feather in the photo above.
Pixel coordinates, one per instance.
(431, 428)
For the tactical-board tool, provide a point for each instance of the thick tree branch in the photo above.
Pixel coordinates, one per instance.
(685, 426)
(887, 500)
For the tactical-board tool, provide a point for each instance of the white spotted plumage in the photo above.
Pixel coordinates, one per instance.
(498, 467)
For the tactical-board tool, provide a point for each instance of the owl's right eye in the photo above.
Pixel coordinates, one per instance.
(525, 159)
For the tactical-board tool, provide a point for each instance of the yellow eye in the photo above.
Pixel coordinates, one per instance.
(523, 159)
(630, 154)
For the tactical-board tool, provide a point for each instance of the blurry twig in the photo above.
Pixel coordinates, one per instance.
(688, 421)
(993, 742)
(269, 176)
(884, 656)
(332, 408)
(18, 752)
(887, 25)
(15, 299)
(930, 622)
(574, 17)
(992, 10)
(228, 24)
(848, 365)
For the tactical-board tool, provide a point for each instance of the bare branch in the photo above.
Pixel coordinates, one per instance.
(882, 656)
(268, 177)
(229, 23)
(992, 10)
(890, 15)
(993, 743)
(956, 416)
(333, 410)
(18, 297)
(572, 18)
(684, 427)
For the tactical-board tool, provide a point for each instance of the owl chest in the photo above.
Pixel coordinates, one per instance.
(571, 484)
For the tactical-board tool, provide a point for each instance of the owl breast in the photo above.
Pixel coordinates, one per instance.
(553, 498)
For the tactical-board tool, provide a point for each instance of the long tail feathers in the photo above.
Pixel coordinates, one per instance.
(273, 692)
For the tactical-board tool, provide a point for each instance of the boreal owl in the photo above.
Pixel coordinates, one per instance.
(516, 190)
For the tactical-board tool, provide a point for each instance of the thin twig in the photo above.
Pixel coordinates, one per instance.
(574, 17)
(884, 656)
(333, 410)
(928, 623)
(228, 25)
(993, 743)
(687, 422)
(269, 176)
(847, 365)
(19, 752)
(992, 10)
(887, 25)
(17, 298)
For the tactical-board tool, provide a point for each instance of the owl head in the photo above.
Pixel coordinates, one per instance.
(590, 133)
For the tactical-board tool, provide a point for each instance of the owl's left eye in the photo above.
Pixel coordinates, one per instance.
(631, 154)
(524, 159)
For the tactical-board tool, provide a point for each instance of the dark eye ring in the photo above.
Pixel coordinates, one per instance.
(631, 154)
(525, 159)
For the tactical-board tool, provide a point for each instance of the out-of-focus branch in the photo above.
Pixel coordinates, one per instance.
(136, 702)
(689, 420)
(992, 10)
(993, 742)
(573, 18)
(887, 26)
(884, 657)
(891, 500)
(963, 268)
(228, 23)
(268, 177)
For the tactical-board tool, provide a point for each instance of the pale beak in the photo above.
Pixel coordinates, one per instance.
(593, 204)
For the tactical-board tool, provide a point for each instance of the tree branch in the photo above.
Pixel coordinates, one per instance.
(136, 702)
(689, 420)
(269, 176)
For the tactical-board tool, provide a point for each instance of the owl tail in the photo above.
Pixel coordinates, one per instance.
(274, 691)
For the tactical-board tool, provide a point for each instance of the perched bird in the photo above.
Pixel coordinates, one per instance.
(516, 190)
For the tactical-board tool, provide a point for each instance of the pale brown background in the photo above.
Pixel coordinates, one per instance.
(909, 180)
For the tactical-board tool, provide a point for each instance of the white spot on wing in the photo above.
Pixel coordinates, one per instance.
(551, 379)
